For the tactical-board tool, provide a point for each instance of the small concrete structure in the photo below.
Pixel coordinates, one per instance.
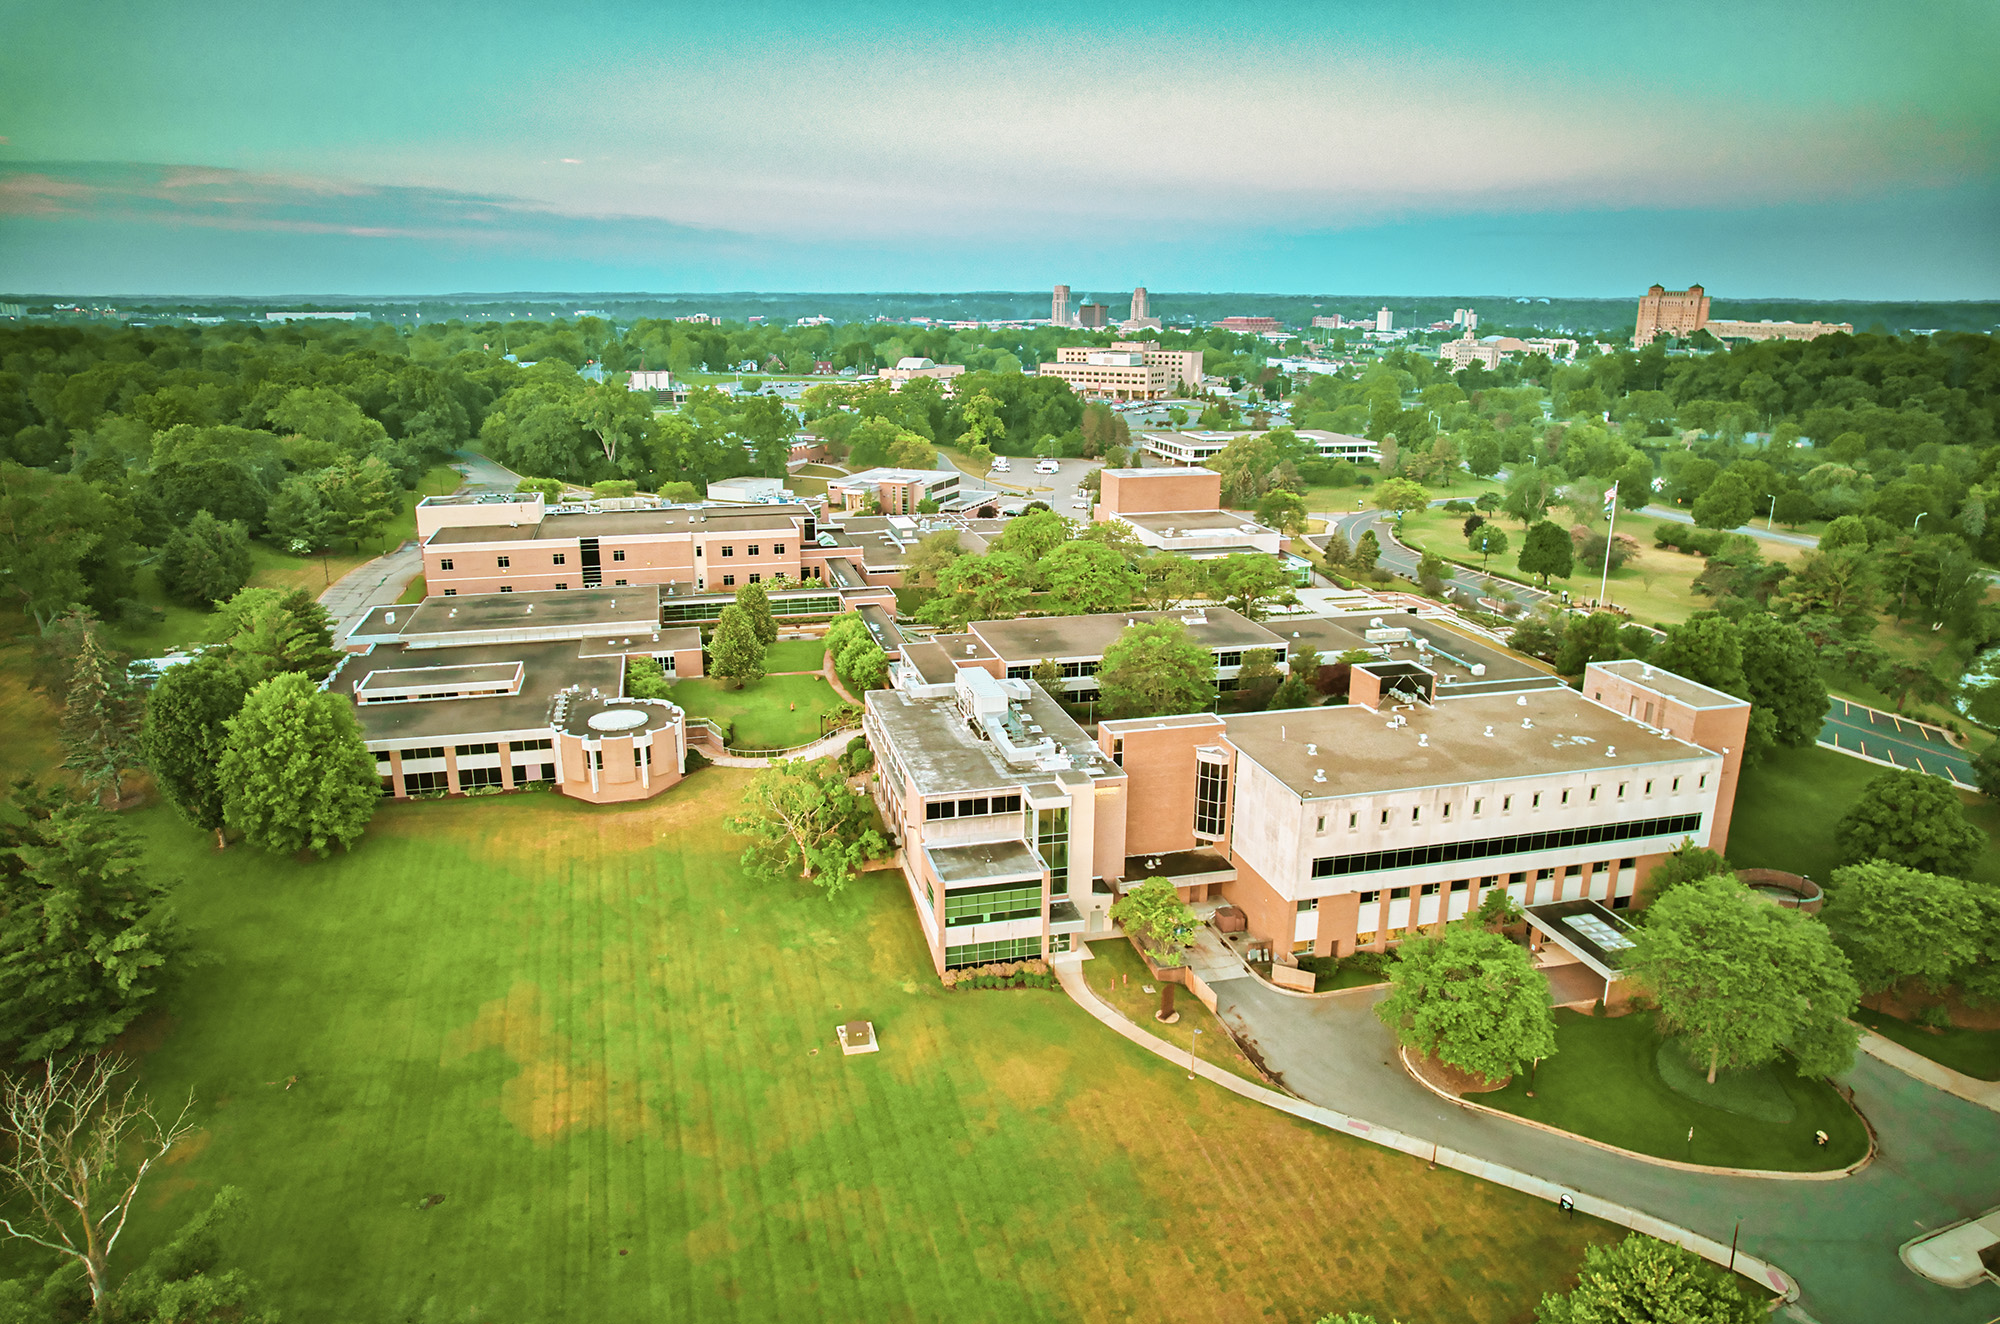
(857, 1037)
(1598, 939)
(1959, 1255)
(1790, 890)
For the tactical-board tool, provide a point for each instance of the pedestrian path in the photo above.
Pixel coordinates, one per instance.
(1868, 733)
(1985, 1093)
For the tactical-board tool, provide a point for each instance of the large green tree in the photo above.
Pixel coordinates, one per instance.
(270, 630)
(1912, 819)
(1154, 669)
(185, 733)
(1726, 504)
(1643, 1281)
(1163, 924)
(756, 604)
(1472, 999)
(805, 822)
(1547, 551)
(1088, 577)
(1739, 980)
(296, 774)
(1781, 679)
(85, 929)
(1247, 581)
(1489, 540)
(735, 653)
(1896, 924)
(206, 560)
(101, 713)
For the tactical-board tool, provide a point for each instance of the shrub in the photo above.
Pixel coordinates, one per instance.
(1937, 1016)
(614, 487)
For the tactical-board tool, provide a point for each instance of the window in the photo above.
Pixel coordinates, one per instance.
(523, 746)
(471, 777)
(1353, 822)
(1593, 795)
(560, 558)
(1476, 804)
(777, 549)
(416, 783)
(562, 583)
(987, 905)
(451, 592)
(618, 553)
(467, 751)
(666, 661)
(1385, 818)
(751, 550)
(1051, 827)
(503, 561)
(1621, 790)
(618, 583)
(1211, 796)
(972, 807)
(728, 550)
(1536, 802)
(756, 578)
(1020, 673)
(1447, 813)
(1370, 898)
(1429, 889)
(1702, 784)
(1649, 786)
(1677, 785)
(1310, 903)
(1233, 658)
(1506, 803)
(642, 756)
(1417, 814)
(729, 581)
(506, 588)
(981, 953)
(1462, 885)
(434, 752)
(1565, 796)
(445, 564)
(1118, 753)
(1322, 824)
(1527, 843)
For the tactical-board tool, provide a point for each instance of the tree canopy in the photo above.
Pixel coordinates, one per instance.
(1471, 998)
(805, 822)
(295, 773)
(1909, 818)
(1645, 1281)
(1896, 923)
(1156, 668)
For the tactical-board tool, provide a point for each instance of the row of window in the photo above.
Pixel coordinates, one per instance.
(1491, 881)
(419, 783)
(1507, 803)
(975, 807)
(557, 558)
(988, 905)
(981, 953)
(821, 604)
(1333, 866)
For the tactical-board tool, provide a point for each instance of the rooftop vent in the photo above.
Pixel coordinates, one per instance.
(1527, 723)
(1424, 741)
(971, 649)
(1319, 774)
(1489, 730)
(1611, 751)
(1521, 702)
(390, 618)
(1313, 750)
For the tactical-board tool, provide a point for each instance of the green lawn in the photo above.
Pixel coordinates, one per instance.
(1609, 1080)
(1788, 804)
(557, 1061)
(1974, 1052)
(775, 713)
(414, 593)
(1120, 978)
(795, 655)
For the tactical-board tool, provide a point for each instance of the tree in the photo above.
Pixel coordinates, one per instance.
(185, 732)
(1909, 818)
(85, 929)
(862, 664)
(1430, 574)
(1739, 979)
(1088, 577)
(1592, 639)
(1548, 552)
(1781, 675)
(995, 586)
(206, 560)
(1257, 676)
(299, 518)
(1245, 465)
(296, 774)
(1706, 649)
(929, 558)
(1531, 490)
(1247, 580)
(1643, 1281)
(1154, 669)
(1683, 864)
(1166, 578)
(1472, 999)
(100, 723)
(735, 653)
(1489, 540)
(804, 822)
(756, 604)
(1283, 511)
(1482, 455)
(62, 542)
(178, 1284)
(1986, 771)
(1292, 691)
(1725, 505)
(1401, 496)
(1032, 536)
(644, 679)
(1795, 506)
(271, 630)
(1366, 552)
(1154, 915)
(72, 1137)
(1897, 924)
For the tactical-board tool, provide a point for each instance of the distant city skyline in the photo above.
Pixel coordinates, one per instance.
(378, 149)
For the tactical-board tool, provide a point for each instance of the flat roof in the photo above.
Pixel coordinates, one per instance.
(1603, 938)
(932, 662)
(944, 756)
(1194, 521)
(1180, 471)
(404, 678)
(631, 607)
(1343, 633)
(982, 861)
(1362, 755)
(1032, 638)
(773, 516)
(547, 667)
(1678, 688)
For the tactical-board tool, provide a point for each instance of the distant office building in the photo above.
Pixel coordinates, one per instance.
(893, 491)
(1198, 448)
(1250, 324)
(1059, 307)
(1141, 318)
(1139, 303)
(1128, 370)
(910, 369)
(1671, 313)
(1466, 318)
(1465, 351)
(1724, 329)
(1333, 323)
(650, 380)
(1385, 320)
(1093, 316)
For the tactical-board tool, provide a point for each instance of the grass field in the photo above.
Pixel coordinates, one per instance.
(1120, 978)
(557, 1061)
(775, 713)
(795, 655)
(276, 569)
(1789, 802)
(1974, 1052)
(415, 591)
(1606, 1082)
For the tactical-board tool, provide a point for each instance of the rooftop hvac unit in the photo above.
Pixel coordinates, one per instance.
(1527, 723)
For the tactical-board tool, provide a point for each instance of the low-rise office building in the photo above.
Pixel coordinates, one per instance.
(1127, 370)
(893, 491)
(1198, 448)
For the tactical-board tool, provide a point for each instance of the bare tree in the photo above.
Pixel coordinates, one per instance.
(65, 1138)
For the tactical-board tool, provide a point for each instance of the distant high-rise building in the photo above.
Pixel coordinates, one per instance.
(1670, 312)
(1466, 318)
(1095, 316)
(1059, 307)
(1332, 322)
(1139, 303)
(1385, 320)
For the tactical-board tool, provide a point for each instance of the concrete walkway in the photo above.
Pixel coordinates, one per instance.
(373, 584)
(1938, 1161)
(1985, 1093)
(1416, 1144)
(831, 745)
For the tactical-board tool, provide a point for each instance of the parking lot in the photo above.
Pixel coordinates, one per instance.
(1060, 489)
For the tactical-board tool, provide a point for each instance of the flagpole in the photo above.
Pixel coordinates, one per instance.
(1604, 583)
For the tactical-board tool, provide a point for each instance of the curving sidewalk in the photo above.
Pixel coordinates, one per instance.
(1780, 1282)
(1985, 1093)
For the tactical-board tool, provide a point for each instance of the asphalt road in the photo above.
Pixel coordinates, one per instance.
(1938, 1161)
(1859, 729)
(1403, 560)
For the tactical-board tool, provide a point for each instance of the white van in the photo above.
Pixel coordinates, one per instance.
(1047, 467)
(999, 464)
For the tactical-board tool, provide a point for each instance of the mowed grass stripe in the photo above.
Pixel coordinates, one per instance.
(589, 1030)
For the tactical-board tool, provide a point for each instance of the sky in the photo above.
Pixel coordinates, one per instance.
(1812, 150)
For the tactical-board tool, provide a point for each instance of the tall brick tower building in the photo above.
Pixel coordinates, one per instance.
(1670, 312)
(1059, 307)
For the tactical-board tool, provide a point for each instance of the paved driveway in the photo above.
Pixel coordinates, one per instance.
(1404, 560)
(1855, 728)
(1939, 1161)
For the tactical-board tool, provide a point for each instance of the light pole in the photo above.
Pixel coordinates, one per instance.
(1772, 517)
(1610, 529)
(1193, 1044)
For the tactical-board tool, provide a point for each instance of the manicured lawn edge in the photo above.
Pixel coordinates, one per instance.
(1974, 1053)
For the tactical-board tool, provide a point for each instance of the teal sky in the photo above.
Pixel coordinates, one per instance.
(1807, 149)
